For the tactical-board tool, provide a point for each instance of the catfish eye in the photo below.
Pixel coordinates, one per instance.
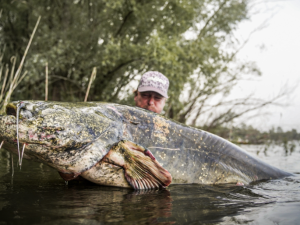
(11, 110)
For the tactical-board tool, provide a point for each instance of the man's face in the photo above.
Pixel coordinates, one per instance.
(150, 100)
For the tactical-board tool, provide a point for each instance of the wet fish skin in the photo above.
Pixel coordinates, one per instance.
(64, 136)
(75, 137)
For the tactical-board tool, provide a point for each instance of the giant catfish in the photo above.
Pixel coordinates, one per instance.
(118, 145)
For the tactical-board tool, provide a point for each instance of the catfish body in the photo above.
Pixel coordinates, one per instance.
(78, 138)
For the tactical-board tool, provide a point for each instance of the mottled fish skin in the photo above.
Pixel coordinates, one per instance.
(192, 155)
(67, 136)
(74, 137)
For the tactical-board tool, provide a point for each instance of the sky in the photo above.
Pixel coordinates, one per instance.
(276, 51)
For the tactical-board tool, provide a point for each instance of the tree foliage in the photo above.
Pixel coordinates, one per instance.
(187, 40)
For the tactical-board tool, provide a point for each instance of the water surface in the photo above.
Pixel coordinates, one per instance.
(37, 195)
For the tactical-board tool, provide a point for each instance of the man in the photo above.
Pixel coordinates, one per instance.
(152, 91)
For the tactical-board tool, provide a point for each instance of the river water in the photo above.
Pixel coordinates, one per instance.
(37, 195)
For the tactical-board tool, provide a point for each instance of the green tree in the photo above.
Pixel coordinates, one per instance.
(183, 39)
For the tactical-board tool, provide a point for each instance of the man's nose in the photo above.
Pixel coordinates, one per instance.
(151, 100)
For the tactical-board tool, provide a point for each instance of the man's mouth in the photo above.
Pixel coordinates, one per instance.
(150, 109)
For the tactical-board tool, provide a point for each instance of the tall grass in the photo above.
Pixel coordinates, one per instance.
(9, 79)
(92, 78)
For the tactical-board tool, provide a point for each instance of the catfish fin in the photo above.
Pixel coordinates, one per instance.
(142, 171)
(69, 176)
(108, 174)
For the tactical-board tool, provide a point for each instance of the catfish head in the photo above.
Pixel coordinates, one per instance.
(80, 139)
(71, 137)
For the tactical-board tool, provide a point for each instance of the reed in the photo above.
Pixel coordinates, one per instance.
(46, 84)
(92, 78)
(10, 83)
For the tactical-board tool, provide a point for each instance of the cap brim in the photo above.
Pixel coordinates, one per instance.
(149, 88)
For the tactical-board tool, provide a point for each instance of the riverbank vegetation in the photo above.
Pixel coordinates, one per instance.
(244, 134)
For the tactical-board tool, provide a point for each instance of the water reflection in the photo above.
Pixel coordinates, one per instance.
(287, 147)
(113, 204)
(37, 195)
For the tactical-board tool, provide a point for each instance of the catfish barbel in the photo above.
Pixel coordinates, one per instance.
(118, 145)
